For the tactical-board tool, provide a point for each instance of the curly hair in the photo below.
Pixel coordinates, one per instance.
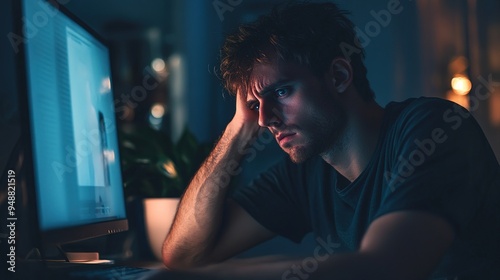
(309, 34)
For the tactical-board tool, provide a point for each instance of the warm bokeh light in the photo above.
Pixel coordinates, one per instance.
(169, 167)
(461, 100)
(158, 65)
(461, 85)
(495, 106)
(157, 111)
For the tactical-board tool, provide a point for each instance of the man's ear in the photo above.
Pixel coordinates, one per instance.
(340, 73)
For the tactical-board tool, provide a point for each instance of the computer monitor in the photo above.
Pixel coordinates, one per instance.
(71, 129)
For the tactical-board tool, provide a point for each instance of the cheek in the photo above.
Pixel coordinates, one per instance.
(321, 118)
(298, 112)
(293, 110)
(307, 106)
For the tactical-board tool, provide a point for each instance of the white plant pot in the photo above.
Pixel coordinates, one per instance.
(159, 214)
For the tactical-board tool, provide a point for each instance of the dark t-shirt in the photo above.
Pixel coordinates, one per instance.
(431, 156)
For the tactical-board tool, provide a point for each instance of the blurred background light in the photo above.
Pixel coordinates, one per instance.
(157, 110)
(461, 85)
(156, 115)
(462, 100)
(158, 65)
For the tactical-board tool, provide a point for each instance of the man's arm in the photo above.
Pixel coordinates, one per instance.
(208, 228)
(399, 245)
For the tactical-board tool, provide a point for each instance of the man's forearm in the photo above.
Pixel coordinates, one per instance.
(201, 210)
(351, 266)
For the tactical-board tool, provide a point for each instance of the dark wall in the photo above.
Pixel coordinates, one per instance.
(9, 119)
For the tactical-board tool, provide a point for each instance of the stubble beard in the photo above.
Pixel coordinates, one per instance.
(326, 135)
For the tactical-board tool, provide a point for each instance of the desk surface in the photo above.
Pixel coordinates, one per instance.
(234, 269)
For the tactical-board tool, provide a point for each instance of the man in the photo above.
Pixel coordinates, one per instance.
(409, 191)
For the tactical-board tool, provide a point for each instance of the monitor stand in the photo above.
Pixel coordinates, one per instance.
(59, 265)
(85, 258)
(77, 257)
(82, 257)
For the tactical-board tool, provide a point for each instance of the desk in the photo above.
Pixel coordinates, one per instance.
(234, 269)
(261, 268)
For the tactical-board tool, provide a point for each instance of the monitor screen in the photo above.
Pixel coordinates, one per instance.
(72, 126)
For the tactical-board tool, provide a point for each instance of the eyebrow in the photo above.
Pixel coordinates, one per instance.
(267, 89)
(273, 86)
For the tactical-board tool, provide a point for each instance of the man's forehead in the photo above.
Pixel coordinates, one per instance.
(261, 76)
(264, 74)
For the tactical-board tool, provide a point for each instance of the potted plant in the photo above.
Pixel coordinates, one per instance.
(156, 171)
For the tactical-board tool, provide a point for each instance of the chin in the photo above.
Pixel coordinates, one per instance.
(299, 154)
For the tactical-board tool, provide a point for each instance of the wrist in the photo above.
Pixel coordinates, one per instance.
(241, 132)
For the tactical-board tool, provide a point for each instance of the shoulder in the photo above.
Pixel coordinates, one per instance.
(429, 131)
(437, 134)
(417, 110)
(428, 116)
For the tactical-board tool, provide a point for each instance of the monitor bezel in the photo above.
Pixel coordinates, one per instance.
(63, 235)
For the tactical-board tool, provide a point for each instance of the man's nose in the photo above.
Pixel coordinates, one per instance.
(269, 115)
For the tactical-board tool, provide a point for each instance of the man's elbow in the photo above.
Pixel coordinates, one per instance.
(175, 264)
(176, 259)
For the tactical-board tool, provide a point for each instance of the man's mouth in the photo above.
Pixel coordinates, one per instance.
(284, 137)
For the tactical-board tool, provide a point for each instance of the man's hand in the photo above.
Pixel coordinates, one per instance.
(245, 120)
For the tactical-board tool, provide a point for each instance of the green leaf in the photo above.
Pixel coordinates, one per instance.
(154, 167)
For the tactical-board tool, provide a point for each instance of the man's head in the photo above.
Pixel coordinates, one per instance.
(308, 34)
(290, 69)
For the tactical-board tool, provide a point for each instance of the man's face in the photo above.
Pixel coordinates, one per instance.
(302, 110)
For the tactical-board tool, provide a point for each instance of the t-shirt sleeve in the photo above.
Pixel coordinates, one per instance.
(276, 200)
(438, 153)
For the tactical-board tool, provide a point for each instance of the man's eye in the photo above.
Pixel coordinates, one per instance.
(254, 107)
(281, 92)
